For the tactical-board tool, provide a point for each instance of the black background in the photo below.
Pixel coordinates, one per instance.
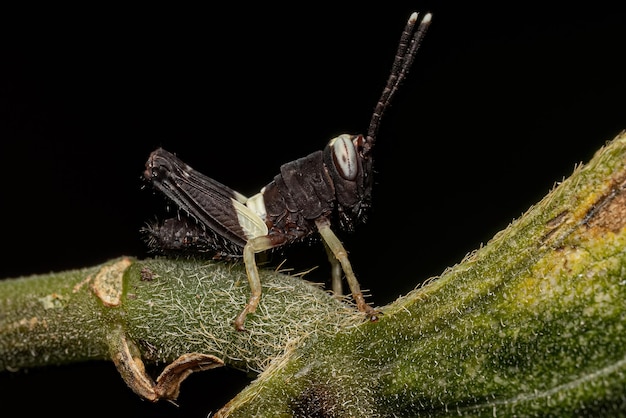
(502, 102)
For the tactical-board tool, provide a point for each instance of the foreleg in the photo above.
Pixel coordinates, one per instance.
(335, 246)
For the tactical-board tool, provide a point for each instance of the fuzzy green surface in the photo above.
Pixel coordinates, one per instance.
(47, 319)
(190, 306)
(167, 308)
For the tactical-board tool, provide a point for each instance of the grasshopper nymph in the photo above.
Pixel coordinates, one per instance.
(310, 194)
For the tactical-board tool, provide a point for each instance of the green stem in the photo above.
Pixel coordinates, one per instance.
(167, 307)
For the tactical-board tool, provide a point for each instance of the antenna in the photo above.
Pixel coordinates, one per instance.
(407, 49)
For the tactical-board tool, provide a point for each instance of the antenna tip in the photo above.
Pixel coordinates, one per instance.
(425, 20)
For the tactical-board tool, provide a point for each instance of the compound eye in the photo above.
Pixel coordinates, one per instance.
(344, 156)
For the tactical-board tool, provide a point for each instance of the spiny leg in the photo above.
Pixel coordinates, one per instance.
(329, 237)
(253, 246)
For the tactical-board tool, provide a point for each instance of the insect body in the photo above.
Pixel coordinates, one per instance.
(307, 196)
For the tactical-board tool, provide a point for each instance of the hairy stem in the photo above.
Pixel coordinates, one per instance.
(167, 307)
